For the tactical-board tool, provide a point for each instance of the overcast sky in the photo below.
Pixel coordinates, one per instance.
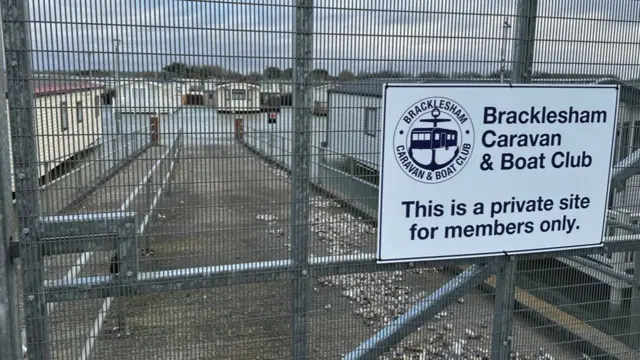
(578, 36)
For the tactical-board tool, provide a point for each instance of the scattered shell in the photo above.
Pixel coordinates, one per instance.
(470, 334)
(456, 348)
(266, 217)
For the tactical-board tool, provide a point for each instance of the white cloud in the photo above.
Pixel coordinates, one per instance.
(598, 36)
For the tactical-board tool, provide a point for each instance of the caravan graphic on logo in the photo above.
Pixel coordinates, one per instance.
(433, 140)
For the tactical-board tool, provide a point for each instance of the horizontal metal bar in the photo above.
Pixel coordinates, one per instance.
(244, 273)
(423, 311)
(167, 280)
(622, 276)
(79, 244)
(60, 226)
(635, 229)
(626, 168)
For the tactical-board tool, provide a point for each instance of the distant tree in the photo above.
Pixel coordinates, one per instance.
(346, 75)
(209, 71)
(365, 75)
(164, 76)
(178, 68)
(432, 75)
(287, 73)
(548, 75)
(384, 74)
(319, 74)
(467, 75)
(390, 74)
(496, 74)
(253, 77)
(233, 75)
(272, 72)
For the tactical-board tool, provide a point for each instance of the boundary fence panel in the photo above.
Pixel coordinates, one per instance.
(244, 225)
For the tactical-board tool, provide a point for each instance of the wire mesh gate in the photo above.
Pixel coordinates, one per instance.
(265, 207)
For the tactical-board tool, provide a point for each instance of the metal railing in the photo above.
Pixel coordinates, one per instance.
(128, 223)
(113, 153)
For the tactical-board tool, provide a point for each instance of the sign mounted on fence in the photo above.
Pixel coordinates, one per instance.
(477, 170)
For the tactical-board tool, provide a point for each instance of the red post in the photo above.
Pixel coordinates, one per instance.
(239, 128)
(154, 126)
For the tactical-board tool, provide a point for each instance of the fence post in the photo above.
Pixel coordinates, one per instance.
(505, 277)
(128, 249)
(525, 41)
(634, 313)
(321, 160)
(618, 265)
(271, 152)
(17, 44)
(300, 284)
(173, 161)
(503, 310)
(45, 206)
(148, 189)
(10, 334)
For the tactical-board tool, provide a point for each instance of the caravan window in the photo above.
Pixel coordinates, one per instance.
(96, 108)
(370, 121)
(238, 94)
(79, 112)
(64, 116)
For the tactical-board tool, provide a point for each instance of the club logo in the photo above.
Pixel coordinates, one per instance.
(433, 140)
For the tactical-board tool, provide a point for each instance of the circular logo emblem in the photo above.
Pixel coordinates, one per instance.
(433, 140)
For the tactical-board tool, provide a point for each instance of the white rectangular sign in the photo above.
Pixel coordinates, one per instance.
(476, 170)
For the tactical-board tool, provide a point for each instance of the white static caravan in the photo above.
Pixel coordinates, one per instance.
(276, 86)
(173, 92)
(209, 92)
(147, 97)
(353, 121)
(68, 121)
(237, 97)
(321, 98)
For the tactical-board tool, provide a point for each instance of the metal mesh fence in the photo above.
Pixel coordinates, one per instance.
(199, 180)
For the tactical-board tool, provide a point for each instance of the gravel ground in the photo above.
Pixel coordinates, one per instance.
(230, 207)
